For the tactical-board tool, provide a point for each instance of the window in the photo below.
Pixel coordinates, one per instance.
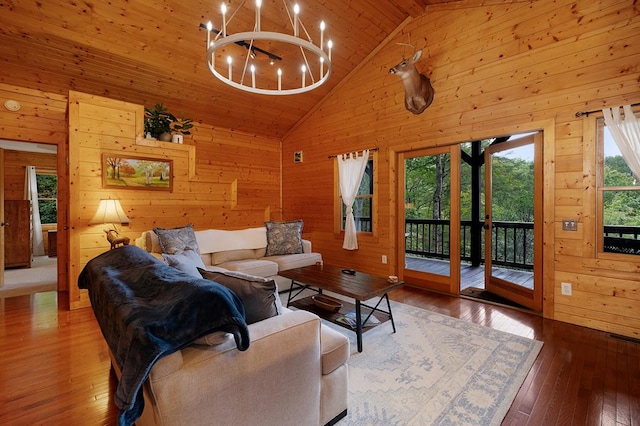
(364, 204)
(48, 198)
(618, 198)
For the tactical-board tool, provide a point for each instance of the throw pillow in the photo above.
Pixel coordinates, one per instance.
(175, 240)
(187, 261)
(284, 237)
(257, 294)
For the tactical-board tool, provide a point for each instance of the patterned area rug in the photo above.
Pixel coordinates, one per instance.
(436, 370)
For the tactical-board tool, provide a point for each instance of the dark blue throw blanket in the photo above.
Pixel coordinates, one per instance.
(147, 309)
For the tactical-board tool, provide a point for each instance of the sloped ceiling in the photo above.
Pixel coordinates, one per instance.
(152, 51)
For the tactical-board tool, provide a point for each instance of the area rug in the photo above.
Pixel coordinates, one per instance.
(435, 370)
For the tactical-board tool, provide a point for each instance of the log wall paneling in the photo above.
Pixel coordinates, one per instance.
(14, 170)
(513, 65)
(222, 179)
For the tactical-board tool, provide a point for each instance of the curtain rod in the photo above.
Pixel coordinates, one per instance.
(358, 151)
(581, 113)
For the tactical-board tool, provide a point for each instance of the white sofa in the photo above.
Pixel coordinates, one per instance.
(294, 373)
(241, 251)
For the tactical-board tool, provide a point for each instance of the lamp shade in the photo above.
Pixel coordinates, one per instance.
(109, 211)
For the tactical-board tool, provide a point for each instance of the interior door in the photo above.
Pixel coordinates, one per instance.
(513, 221)
(429, 203)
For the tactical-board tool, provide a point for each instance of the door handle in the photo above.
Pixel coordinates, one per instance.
(4, 224)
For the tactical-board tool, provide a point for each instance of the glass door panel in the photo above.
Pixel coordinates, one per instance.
(430, 178)
(512, 220)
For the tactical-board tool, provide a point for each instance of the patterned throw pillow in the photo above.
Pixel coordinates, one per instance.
(258, 294)
(176, 240)
(284, 237)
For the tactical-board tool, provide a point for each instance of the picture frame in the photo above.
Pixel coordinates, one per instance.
(297, 157)
(132, 172)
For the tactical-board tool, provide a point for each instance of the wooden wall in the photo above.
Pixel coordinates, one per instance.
(497, 69)
(222, 179)
(14, 170)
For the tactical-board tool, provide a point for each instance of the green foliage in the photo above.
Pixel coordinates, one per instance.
(47, 198)
(158, 120)
(427, 187)
(621, 207)
(512, 190)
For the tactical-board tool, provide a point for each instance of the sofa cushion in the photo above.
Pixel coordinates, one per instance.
(261, 268)
(215, 240)
(229, 255)
(291, 261)
(187, 261)
(335, 349)
(175, 240)
(284, 237)
(257, 294)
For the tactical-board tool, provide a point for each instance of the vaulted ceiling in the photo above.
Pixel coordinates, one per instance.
(152, 51)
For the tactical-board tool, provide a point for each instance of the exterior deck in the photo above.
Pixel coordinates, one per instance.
(470, 276)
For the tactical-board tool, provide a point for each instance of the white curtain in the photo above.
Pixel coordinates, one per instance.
(31, 194)
(350, 171)
(626, 134)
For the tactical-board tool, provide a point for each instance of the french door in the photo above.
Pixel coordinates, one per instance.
(429, 232)
(514, 238)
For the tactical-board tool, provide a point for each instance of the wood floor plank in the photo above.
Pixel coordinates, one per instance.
(56, 365)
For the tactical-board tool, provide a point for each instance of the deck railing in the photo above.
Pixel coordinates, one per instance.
(512, 241)
(622, 239)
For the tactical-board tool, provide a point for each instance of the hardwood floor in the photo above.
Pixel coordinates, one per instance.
(55, 366)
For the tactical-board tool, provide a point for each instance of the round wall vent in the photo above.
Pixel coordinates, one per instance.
(12, 105)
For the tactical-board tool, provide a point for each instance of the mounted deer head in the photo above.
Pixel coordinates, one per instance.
(418, 92)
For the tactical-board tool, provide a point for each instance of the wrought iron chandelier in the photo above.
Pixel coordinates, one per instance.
(301, 67)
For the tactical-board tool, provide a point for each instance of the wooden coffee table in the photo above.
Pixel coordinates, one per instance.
(360, 286)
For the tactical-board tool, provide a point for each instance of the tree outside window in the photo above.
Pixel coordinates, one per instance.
(48, 198)
(619, 198)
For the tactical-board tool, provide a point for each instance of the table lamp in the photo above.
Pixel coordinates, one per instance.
(110, 211)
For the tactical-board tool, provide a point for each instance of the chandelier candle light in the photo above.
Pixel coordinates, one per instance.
(313, 61)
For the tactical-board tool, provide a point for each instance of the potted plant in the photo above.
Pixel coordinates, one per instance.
(159, 123)
(182, 125)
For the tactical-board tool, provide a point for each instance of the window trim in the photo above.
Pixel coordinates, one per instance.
(337, 208)
(596, 126)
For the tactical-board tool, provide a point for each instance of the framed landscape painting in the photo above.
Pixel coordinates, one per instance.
(127, 172)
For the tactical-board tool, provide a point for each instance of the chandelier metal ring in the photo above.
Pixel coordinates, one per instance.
(269, 36)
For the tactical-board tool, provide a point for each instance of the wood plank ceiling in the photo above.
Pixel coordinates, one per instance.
(151, 51)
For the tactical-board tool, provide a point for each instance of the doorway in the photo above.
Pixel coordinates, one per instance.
(490, 246)
(36, 270)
